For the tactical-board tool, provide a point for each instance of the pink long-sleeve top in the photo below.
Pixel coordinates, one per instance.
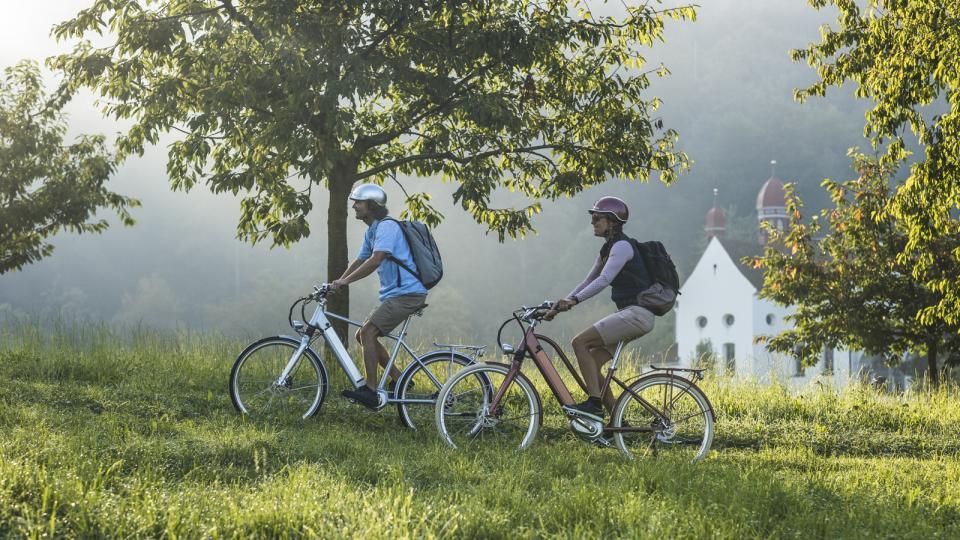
(602, 273)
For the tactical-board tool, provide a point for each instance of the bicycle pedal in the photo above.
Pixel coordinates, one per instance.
(603, 442)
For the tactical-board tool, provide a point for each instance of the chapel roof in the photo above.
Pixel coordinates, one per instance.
(737, 250)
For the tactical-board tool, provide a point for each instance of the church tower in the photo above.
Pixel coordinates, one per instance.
(772, 204)
(715, 223)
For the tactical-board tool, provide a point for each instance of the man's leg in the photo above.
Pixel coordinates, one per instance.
(382, 355)
(368, 334)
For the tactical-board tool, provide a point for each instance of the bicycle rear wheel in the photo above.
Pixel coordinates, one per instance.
(422, 380)
(676, 415)
(463, 414)
(255, 388)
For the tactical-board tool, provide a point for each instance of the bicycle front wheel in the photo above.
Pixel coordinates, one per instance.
(465, 417)
(670, 414)
(421, 383)
(256, 388)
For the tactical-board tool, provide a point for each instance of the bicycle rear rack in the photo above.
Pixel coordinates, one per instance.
(475, 351)
(697, 374)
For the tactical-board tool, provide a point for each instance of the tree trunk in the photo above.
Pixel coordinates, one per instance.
(341, 181)
(932, 363)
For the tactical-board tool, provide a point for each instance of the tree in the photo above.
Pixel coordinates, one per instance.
(46, 186)
(849, 274)
(905, 56)
(539, 98)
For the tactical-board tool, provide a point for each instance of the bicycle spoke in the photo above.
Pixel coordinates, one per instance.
(474, 391)
(298, 388)
(514, 418)
(689, 416)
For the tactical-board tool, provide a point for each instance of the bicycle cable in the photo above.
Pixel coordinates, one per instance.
(290, 313)
(505, 323)
(303, 308)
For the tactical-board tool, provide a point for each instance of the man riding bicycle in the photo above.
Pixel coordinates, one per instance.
(401, 292)
(621, 267)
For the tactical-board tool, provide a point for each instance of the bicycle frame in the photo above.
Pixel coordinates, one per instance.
(530, 346)
(320, 321)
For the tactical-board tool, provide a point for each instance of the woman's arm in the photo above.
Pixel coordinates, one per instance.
(620, 253)
(591, 275)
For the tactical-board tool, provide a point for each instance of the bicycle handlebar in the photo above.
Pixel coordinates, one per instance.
(535, 313)
(321, 291)
(525, 314)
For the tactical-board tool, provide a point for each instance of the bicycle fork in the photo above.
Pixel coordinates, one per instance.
(507, 381)
(292, 363)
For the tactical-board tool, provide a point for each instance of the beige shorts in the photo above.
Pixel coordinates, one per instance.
(394, 310)
(625, 325)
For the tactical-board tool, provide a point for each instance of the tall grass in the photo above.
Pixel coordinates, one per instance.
(130, 433)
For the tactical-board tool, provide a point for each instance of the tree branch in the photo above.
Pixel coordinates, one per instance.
(243, 20)
(451, 157)
(367, 142)
(146, 19)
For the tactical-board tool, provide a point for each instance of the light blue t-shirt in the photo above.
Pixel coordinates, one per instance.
(386, 236)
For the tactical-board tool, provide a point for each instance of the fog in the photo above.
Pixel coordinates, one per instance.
(729, 96)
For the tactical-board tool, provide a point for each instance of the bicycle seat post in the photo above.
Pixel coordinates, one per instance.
(616, 356)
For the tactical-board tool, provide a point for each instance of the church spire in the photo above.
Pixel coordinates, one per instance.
(715, 223)
(772, 203)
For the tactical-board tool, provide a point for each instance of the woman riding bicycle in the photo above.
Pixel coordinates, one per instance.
(621, 267)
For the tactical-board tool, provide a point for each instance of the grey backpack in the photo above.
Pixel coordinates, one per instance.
(424, 251)
(657, 298)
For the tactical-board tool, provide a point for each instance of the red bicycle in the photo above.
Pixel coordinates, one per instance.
(659, 411)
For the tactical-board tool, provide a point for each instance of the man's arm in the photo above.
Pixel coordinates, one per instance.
(361, 271)
(353, 266)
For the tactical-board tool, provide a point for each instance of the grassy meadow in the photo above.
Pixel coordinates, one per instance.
(132, 434)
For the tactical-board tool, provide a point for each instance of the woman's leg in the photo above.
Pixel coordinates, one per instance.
(601, 355)
(591, 356)
(591, 345)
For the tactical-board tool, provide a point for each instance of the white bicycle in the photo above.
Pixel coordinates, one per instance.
(283, 376)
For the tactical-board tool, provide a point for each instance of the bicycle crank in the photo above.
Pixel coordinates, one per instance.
(586, 429)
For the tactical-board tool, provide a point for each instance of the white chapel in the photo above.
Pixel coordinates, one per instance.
(719, 310)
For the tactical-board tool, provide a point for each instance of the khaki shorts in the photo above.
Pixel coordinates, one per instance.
(625, 325)
(394, 310)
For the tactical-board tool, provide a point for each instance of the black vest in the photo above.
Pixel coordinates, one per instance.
(633, 277)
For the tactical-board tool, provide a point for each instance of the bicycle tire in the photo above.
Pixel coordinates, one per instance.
(677, 411)
(462, 418)
(253, 388)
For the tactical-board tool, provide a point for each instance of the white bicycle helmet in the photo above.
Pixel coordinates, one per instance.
(369, 192)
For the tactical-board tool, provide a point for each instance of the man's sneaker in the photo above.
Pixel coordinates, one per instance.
(364, 396)
(586, 409)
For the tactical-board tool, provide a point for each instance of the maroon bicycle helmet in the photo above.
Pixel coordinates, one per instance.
(611, 207)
